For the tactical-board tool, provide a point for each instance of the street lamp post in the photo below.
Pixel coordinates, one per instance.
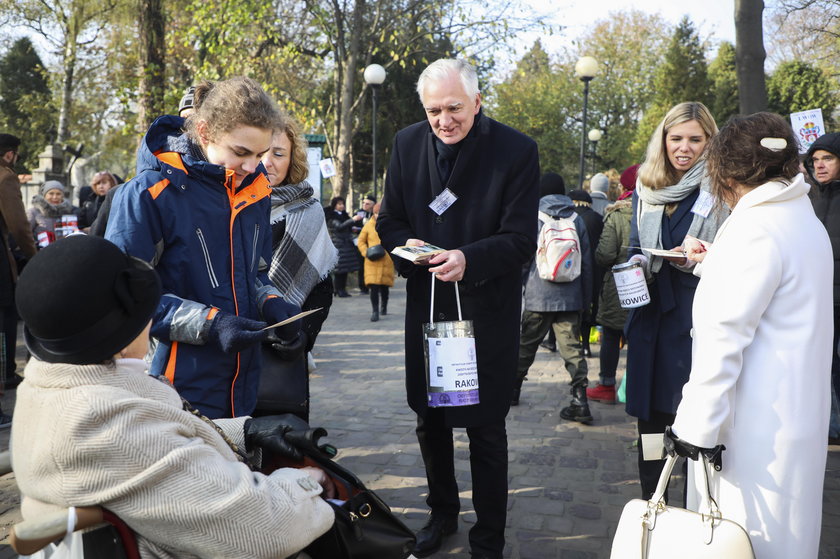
(585, 69)
(374, 76)
(594, 136)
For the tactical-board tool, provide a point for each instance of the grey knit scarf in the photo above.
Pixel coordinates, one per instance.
(306, 254)
(652, 206)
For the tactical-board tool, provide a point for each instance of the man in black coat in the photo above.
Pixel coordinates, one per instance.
(823, 165)
(467, 183)
(594, 226)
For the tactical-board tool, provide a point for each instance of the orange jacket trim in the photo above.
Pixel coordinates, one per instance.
(157, 188)
(173, 159)
(169, 373)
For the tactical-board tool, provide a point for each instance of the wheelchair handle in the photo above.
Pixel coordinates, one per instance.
(30, 536)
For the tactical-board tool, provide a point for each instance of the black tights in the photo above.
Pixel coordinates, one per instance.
(650, 470)
(375, 291)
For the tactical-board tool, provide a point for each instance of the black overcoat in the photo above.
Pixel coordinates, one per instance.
(496, 179)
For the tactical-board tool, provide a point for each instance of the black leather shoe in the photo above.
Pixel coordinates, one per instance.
(430, 537)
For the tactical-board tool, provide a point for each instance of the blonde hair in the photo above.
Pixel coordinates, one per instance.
(228, 104)
(298, 162)
(657, 171)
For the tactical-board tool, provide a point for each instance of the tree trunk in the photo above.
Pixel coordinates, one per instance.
(750, 55)
(348, 63)
(151, 27)
(66, 89)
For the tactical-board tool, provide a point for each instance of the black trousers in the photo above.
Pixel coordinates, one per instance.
(835, 355)
(488, 465)
(340, 281)
(609, 354)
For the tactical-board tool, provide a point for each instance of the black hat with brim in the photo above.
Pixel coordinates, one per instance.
(83, 300)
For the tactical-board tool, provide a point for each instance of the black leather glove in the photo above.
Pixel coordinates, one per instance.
(234, 333)
(288, 350)
(268, 432)
(675, 445)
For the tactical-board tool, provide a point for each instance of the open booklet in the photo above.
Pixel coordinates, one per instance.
(666, 253)
(418, 255)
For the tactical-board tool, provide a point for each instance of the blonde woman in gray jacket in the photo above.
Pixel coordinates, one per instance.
(92, 428)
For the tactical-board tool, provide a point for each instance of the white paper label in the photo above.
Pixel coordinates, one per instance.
(443, 201)
(703, 204)
(452, 364)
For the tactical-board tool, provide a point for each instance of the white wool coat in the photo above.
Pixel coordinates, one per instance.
(111, 435)
(761, 363)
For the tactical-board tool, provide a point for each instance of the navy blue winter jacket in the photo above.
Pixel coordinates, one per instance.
(210, 242)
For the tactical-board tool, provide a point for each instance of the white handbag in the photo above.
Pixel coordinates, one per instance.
(654, 530)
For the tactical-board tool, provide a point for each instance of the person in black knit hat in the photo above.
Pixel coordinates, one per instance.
(92, 427)
(594, 226)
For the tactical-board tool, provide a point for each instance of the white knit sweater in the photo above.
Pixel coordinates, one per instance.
(112, 436)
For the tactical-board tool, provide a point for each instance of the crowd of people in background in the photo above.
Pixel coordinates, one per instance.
(221, 231)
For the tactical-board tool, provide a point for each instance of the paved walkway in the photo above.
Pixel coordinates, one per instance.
(568, 482)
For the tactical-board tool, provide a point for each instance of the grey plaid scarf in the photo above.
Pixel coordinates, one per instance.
(306, 254)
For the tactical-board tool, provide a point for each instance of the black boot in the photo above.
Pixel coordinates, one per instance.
(384, 307)
(578, 408)
(374, 317)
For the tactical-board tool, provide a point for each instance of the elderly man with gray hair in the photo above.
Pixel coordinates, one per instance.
(464, 182)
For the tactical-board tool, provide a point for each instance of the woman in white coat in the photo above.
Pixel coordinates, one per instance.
(762, 343)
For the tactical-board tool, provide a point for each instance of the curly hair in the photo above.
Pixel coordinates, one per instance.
(657, 171)
(227, 104)
(298, 162)
(737, 155)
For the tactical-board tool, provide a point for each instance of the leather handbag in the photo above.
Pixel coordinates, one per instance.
(375, 252)
(365, 527)
(284, 385)
(654, 530)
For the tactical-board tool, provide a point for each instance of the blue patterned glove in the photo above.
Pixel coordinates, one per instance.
(234, 333)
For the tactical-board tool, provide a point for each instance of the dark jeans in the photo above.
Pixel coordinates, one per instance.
(650, 470)
(610, 350)
(488, 465)
(377, 292)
